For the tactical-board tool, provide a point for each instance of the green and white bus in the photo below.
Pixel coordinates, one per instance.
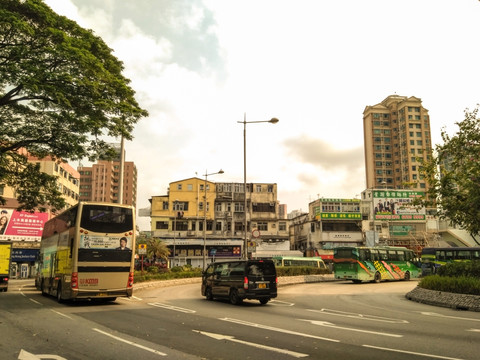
(374, 263)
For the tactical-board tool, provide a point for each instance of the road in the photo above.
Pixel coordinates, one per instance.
(332, 320)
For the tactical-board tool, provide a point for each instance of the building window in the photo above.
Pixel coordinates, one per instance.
(282, 226)
(239, 207)
(161, 225)
(190, 187)
(218, 226)
(259, 188)
(262, 226)
(179, 186)
(270, 188)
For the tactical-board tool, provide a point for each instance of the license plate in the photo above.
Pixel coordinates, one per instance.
(262, 286)
(102, 294)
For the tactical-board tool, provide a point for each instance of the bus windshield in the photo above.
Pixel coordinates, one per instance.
(106, 219)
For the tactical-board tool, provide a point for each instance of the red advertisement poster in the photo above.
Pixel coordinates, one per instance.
(21, 225)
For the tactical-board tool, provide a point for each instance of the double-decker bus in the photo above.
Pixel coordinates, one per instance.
(374, 263)
(433, 258)
(299, 261)
(86, 253)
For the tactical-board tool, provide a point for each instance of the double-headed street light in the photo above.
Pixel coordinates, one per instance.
(245, 122)
(205, 216)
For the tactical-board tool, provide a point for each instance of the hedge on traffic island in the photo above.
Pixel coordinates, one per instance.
(187, 271)
(458, 277)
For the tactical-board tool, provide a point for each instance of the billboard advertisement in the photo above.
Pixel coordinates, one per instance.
(397, 205)
(21, 225)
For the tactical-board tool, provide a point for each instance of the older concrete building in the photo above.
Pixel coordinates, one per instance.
(201, 220)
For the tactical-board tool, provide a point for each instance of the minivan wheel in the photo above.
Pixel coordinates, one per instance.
(208, 294)
(263, 301)
(234, 298)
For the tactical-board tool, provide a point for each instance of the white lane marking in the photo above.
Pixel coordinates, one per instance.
(447, 316)
(35, 301)
(259, 346)
(130, 342)
(359, 316)
(412, 353)
(246, 323)
(59, 313)
(283, 303)
(130, 298)
(330, 325)
(25, 355)
(474, 330)
(171, 307)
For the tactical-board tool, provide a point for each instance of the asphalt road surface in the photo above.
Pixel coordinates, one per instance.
(331, 320)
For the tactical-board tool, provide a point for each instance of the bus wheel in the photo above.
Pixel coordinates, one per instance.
(377, 277)
(356, 281)
(234, 298)
(407, 276)
(59, 292)
(42, 286)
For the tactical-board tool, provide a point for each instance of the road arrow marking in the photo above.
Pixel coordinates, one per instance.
(25, 355)
(259, 326)
(359, 316)
(328, 324)
(446, 316)
(259, 346)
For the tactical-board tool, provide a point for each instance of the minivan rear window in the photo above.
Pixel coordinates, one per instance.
(261, 268)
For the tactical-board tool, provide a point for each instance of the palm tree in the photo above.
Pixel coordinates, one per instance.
(157, 249)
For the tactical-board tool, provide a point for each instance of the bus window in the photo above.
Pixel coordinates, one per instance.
(374, 256)
(362, 254)
(400, 256)
(346, 254)
(383, 255)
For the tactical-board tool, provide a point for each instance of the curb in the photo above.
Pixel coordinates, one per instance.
(282, 281)
(445, 299)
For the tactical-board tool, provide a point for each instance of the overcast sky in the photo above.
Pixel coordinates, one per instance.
(199, 66)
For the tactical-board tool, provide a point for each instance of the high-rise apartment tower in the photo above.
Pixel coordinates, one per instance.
(396, 136)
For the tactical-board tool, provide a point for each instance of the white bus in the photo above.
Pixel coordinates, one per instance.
(86, 252)
(299, 261)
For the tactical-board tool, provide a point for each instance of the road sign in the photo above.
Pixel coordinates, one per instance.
(142, 249)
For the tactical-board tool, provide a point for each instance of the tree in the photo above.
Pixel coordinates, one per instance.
(453, 175)
(157, 249)
(61, 92)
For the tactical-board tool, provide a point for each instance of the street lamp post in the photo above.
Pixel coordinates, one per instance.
(245, 122)
(175, 213)
(205, 215)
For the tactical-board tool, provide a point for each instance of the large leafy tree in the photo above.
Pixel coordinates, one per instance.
(453, 174)
(61, 92)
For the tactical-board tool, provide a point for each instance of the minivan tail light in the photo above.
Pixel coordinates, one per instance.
(245, 283)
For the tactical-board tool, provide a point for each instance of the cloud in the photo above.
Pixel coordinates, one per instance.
(321, 154)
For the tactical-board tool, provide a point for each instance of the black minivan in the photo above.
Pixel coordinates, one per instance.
(240, 279)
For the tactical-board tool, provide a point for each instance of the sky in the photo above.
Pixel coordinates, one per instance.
(199, 67)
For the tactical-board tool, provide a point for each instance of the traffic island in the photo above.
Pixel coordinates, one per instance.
(445, 299)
